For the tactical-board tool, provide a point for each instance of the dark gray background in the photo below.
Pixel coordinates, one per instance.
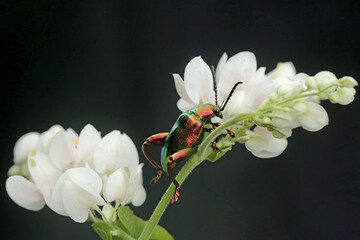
(110, 64)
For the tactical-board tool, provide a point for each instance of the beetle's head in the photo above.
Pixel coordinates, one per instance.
(217, 111)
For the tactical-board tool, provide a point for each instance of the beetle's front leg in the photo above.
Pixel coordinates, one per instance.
(157, 139)
(172, 162)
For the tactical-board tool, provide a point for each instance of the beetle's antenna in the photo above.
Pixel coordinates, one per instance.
(231, 93)
(215, 88)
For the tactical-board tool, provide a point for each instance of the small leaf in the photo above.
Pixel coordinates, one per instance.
(135, 225)
(103, 230)
(161, 233)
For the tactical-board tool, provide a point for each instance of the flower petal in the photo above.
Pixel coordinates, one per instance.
(116, 186)
(263, 144)
(137, 194)
(115, 150)
(286, 69)
(198, 80)
(315, 118)
(77, 190)
(180, 88)
(46, 138)
(42, 171)
(24, 193)
(238, 68)
(185, 106)
(88, 139)
(26, 143)
(220, 66)
(62, 150)
(237, 104)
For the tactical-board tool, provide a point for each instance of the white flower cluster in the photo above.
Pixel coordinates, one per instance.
(281, 99)
(73, 173)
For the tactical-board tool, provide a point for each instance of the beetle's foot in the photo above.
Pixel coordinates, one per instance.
(176, 196)
(215, 125)
(231, 134)
(213, 145)
(208, 130)
(157, 178)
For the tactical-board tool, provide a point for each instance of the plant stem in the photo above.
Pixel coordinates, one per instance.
(164, 202)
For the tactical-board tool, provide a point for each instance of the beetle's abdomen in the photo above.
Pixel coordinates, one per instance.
(186, 132)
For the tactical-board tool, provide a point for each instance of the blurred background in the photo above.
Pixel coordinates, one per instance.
(109, 63)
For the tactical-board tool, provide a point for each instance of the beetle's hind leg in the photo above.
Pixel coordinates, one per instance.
(172, 162)
(157, 139)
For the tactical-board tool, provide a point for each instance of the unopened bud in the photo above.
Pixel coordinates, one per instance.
(343, 96)
(301, 107)
(348, 82)
(324, 79)
(311, 83)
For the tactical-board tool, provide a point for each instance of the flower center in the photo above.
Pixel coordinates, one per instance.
(75, 141)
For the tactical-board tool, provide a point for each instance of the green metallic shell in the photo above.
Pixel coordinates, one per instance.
(186, 133)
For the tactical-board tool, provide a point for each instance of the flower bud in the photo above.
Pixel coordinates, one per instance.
(108, 211)
(348, 82)
(301, 107)
(324, 79)
(273, 97)
(311, 83)
(343, 96)
(314, 119)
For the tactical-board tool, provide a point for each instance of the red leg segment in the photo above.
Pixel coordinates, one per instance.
(172, 162)
(157, 139)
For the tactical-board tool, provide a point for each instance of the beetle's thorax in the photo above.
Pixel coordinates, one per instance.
(205, 111)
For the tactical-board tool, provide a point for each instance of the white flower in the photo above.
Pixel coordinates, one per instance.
(66, 171)
(78, 190)
(117, 160)
(197, 87)
(262, 144)
(68, 150)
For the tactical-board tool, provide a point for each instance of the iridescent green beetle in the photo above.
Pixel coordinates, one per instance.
(184, 138)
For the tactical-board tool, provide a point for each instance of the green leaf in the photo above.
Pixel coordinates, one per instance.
(135, 225)
(103, 230)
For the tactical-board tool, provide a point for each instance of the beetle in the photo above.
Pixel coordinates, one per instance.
(184, 138)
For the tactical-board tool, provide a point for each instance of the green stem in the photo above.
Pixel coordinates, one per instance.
(193, 162)
(164, 202)
(271, 106)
